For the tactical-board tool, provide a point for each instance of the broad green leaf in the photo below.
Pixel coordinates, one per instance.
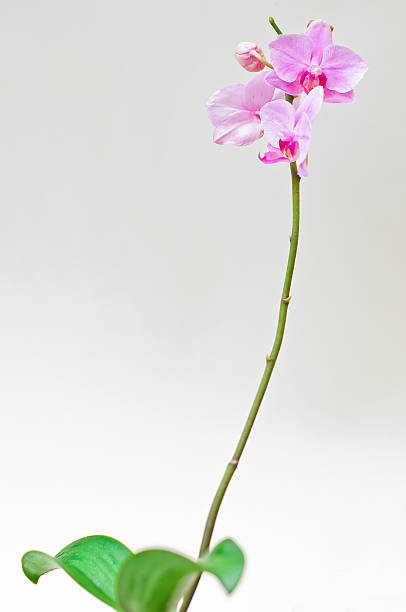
(94, 562)
(153, 580)
(225, 561)
(150, 580)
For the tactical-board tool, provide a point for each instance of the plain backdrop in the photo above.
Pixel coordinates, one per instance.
(141, 268)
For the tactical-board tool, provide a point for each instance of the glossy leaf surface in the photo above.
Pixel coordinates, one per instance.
(94, 562)
(153, 580)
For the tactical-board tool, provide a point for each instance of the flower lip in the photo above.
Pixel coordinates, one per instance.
(289, 148)
(312, 79)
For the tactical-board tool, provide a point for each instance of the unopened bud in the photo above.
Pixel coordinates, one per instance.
(247, 55)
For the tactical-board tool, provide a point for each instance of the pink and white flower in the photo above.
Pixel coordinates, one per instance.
(247, 54)
(304, 61)
(288, 130)
(234, 111)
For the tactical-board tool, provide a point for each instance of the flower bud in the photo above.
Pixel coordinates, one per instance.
(245, 56)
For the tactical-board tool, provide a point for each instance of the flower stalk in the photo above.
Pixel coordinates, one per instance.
(270, 364)
(275, 26)
(261, 59)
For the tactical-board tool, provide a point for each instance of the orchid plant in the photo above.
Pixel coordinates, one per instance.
(307, 65)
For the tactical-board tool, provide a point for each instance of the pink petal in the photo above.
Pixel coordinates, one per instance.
(320, 33)
(239, 129)
(334, 96)
(294, 88)
(225, 102)
(279, 95)
(290, 54)
(296, 102)
(272, 157)
(257, 92)
(302, 169)
(311, 104)
(303, 134)
(343, 68)
(277, 118)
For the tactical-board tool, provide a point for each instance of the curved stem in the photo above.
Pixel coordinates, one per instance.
(270, 364)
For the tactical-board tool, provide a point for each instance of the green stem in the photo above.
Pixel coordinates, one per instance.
(275, 25)
(270, 364)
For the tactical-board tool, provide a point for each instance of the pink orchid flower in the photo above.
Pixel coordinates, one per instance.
(304, 61)
(288, 129)
(234, 111)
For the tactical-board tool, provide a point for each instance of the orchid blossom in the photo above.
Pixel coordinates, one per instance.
(288, 130)
(235, 111)
(302, 62)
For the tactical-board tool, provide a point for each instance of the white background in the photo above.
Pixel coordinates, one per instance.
(141, 268)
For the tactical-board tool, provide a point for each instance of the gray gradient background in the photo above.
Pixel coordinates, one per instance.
(141, 268)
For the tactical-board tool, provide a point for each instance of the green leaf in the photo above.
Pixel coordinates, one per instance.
(94, 562)
(226, 561)
(154, 580)
(151, 580)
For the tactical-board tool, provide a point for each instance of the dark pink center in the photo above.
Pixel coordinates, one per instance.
(289, 148)
(310, 80)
